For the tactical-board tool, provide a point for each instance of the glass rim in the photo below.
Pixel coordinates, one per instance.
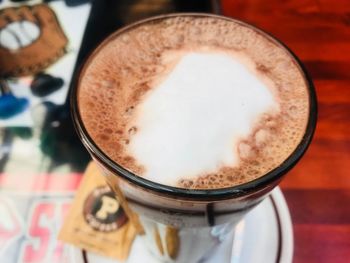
(196, 194)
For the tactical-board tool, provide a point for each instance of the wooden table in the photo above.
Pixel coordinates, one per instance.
(318, 189)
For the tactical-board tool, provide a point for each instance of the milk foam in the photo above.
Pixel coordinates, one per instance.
(192, 122)
(207, 99)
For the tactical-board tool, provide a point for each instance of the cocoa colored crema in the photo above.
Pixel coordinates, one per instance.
(195, 102)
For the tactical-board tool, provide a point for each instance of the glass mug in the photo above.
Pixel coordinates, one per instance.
(186, 225)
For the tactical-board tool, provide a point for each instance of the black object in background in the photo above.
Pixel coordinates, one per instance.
(58, 140)
(45, 84)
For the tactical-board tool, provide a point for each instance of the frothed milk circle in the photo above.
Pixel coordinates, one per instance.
(194, 102)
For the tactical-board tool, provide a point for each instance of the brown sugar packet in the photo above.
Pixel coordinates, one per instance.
(96, 222)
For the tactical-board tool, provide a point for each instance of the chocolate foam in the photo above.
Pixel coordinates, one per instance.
(133, 64)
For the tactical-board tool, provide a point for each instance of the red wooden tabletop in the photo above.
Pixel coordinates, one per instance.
(318, 189)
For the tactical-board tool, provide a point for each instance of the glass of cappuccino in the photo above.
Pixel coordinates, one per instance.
(193, 119)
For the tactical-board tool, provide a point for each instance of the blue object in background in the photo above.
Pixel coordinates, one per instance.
(11, 106)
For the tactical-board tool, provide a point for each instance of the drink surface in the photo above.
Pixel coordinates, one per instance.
(194, 102)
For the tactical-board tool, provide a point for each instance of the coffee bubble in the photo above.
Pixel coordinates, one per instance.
(194, 102)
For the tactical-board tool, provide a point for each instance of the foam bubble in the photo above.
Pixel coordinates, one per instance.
(128, 80)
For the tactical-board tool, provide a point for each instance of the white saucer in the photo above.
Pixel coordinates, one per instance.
(264, 235)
